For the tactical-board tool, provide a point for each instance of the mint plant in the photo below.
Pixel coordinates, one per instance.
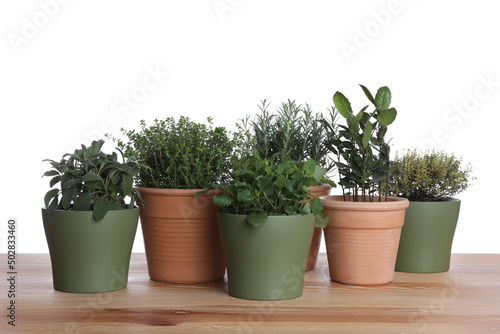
(293, 133)
(260, 187)
(429, 176)
(90, 180)
(180, 154)
(363, 153)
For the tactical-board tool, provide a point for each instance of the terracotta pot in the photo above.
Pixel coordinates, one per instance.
(362, 239)
(312, 258)
(181, 236)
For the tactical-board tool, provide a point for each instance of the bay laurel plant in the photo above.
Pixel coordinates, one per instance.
(428, 176)
(180, 154)
(293, 133)
(90, 180)
(362, 151)
(260, 188)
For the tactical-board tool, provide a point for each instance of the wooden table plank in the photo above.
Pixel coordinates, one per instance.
(464, 300)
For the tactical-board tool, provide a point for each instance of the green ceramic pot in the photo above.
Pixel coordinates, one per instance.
(427, 236)
(266, 262)
(89, 255)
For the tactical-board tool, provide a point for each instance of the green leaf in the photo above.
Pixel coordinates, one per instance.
(383, 98)
(280, 182)
(71, 183)
(368, 95)
(310, 167)
(367, 133)
(245, 196)
(101, 208)
(316, 206)
(127, 184)
(54, 180)
(92, 177)
(321, 220)
(285, 169)
(223, 200)
(49, 195)
(386, 117)
(319, 172)
(257, 218)
(82, 202)
(53, 205)
(67, 197)
(342, 104)
(51, 173)
(290, 210)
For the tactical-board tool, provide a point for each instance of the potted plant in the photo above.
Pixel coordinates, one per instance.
(89, 222)
(429, 180)
(180, 232)
(293, 133)
(365, 223)
(266, 220)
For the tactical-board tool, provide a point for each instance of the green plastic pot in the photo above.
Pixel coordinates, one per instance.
(89, 255)
(427, 237)
(266, 262)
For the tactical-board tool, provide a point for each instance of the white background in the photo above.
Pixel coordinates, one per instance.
(66, 69)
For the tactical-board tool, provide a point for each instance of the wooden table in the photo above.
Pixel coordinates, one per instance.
(464, 300)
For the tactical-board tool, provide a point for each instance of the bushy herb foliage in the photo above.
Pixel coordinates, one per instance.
(90, 180)
(261, 187)
(180, 154)
(293, 133)
(428, 176)
(363, 153)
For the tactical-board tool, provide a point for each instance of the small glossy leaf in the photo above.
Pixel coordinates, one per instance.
(386, 117)
(367, 134)
(101, 208)
(256, 219)
(342, 104)
(383, 98)
(368, 95)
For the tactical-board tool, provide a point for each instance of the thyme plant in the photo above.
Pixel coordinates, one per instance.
(180, 154)
(428, 176)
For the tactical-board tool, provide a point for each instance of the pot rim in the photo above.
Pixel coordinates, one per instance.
(451, 199)
(320, 186)
(89, 211)
(176, 192)
(336, 202)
